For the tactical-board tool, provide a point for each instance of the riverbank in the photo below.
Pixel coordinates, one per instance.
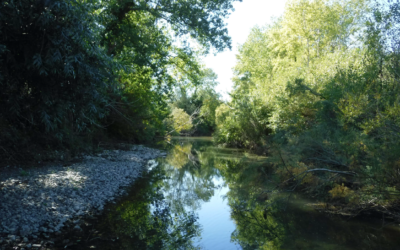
(39, 204)
(349, 193)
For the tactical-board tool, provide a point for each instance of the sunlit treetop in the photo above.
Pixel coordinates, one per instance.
(203, 20)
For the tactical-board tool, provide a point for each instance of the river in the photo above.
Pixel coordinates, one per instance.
(205, 197)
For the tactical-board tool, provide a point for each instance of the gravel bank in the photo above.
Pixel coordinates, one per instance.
(40, 203)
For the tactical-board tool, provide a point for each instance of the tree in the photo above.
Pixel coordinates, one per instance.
(320, 85)
(69, 68)
(181, 121)
(54, 77)
(141, 36)
(200, 99)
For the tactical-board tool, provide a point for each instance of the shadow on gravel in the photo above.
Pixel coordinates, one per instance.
(37, 207)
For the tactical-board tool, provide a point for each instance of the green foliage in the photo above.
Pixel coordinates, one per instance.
(51, 65)
(75, 71)
(140, 37)
(318, 89)
(245, 124)
(180, 120)
(54, 76)
(199, 99)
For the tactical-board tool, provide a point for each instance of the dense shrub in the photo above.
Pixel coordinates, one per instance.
(54, 77)
(328, 85)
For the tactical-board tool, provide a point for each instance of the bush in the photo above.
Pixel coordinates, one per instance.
(53, 75)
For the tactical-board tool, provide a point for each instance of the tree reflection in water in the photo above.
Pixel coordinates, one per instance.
(190, 181)
(265, 219)
(160, 211)
(144, 220)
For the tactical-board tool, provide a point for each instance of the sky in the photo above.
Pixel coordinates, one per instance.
(247, 14)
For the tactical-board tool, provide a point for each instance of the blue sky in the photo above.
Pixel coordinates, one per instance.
(247, 14)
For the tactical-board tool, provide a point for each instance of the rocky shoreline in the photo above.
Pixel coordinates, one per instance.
(37, 206)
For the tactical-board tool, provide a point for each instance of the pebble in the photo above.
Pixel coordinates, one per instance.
(51, 196)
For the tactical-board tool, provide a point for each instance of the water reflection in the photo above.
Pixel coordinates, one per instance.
(195, 184)
(190, 179)
(143, 220)
(288, 226)
(178, 205)
(263, 219)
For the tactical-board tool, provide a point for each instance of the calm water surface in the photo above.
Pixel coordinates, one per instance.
(204, 197)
